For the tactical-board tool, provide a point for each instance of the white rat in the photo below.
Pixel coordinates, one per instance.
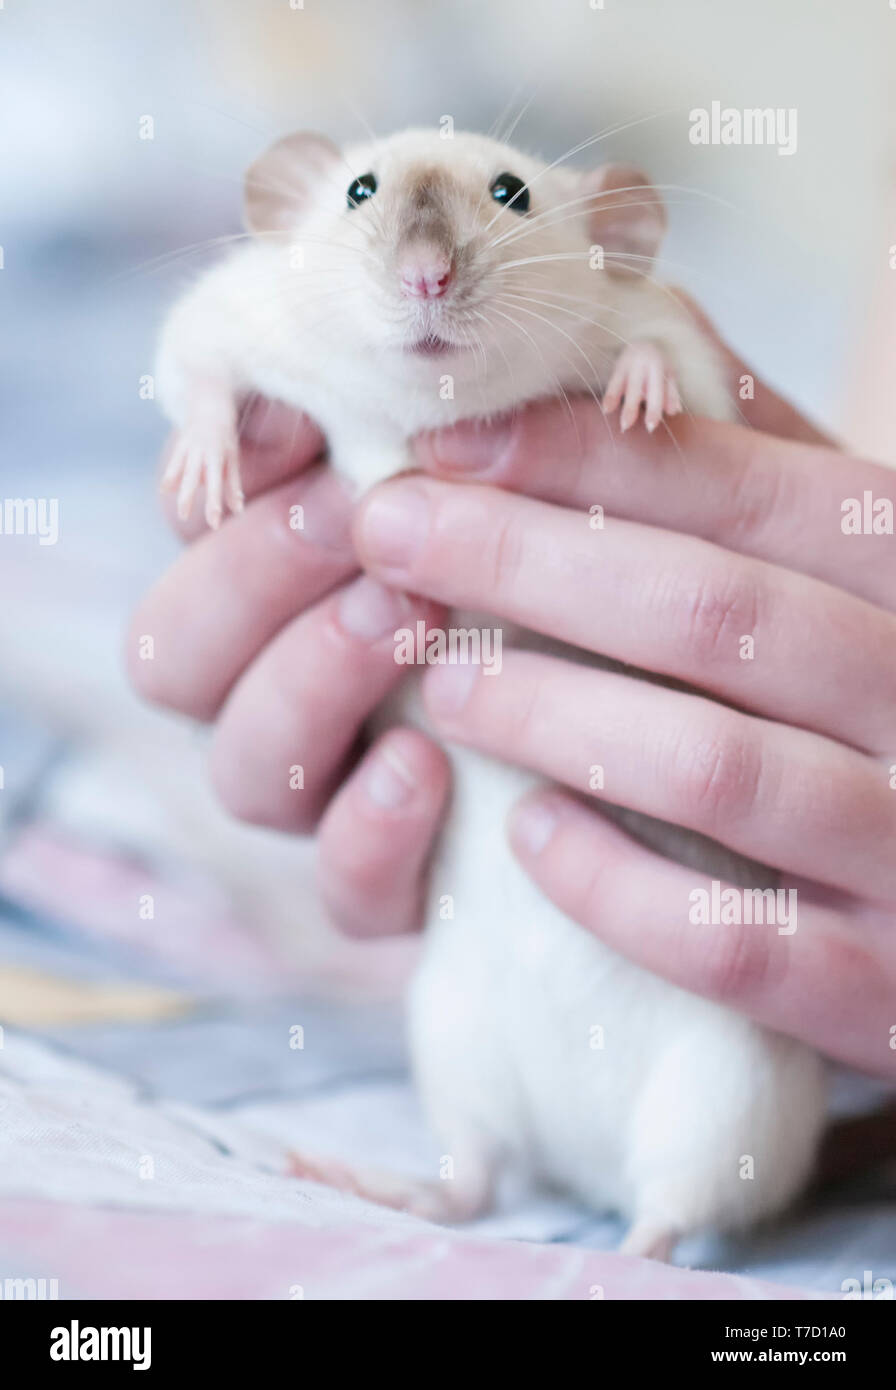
(406, 284)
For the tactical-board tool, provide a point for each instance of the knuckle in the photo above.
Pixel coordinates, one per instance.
(736, 963)
(853, 963)
(363, 884)
(717, 776)
(715, 614)
(589, 892)
(760, 495)
(244, 791)
(524, 716)
(505, 552)
(355, 871)
(161, 683)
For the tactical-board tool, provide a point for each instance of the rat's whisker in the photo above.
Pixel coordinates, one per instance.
(586, 299)
(168, 258)
(503, 126)
(358, 114)
(506, 135)
(497, 340)
(586, 144)
(549, 256)
(548, 217)
(595, 375)
(643, 186)
(519, 234)
(530, 222)
(541, 357)
(561, 309)
(191, 248)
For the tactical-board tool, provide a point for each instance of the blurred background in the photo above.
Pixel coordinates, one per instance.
(125, 130)
(100, 227)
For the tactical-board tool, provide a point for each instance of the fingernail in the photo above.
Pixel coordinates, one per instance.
(325, 514)
(370, 610)
(389, 781)
(532, 825)
(394, 525)
(449, 687)
(473, 447)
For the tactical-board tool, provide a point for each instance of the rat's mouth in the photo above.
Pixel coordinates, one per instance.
(431, 346)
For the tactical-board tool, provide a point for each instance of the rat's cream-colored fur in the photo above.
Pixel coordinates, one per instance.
(658, 1123)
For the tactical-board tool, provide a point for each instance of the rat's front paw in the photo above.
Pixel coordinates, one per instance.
(640, 378)
(210, 459)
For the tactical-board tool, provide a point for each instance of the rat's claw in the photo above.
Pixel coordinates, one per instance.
(634, 394)
(190, 479)
(212, 461)
(175, 466)
(672, 403)
(214, 481)
(613, 394)
(233, 486)
(640, 378)
(171, 476)
(654, 395)
(440, 1201)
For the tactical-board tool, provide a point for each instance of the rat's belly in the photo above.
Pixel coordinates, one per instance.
(509, 1012)
(532, 1028)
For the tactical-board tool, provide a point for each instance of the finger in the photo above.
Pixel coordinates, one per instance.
(774, 794)
(276, 443)
(794, 966)
(758, 635)
(377, 834)
(776, 500)
(224, 597)
(285, 733)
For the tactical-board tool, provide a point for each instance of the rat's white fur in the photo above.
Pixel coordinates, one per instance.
(658, 1122)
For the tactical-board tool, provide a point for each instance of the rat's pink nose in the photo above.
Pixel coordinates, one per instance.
(425, 272)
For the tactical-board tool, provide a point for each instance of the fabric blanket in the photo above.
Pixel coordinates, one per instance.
(155, 1070)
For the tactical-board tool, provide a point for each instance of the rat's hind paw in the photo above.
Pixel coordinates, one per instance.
(444, 1201)
(640, 378)
(650, 1240)
(203, 459)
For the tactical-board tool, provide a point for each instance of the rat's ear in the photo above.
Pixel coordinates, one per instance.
(627, 216)
(279, 183)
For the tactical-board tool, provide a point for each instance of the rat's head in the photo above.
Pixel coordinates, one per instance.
(434, 248)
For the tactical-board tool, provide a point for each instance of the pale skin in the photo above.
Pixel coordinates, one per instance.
(713, 532)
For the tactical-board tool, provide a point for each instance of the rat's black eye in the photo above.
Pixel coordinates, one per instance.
(361, 188)
(508, 189)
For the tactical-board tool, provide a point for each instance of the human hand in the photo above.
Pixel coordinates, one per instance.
(713, 532)
(270, 633)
